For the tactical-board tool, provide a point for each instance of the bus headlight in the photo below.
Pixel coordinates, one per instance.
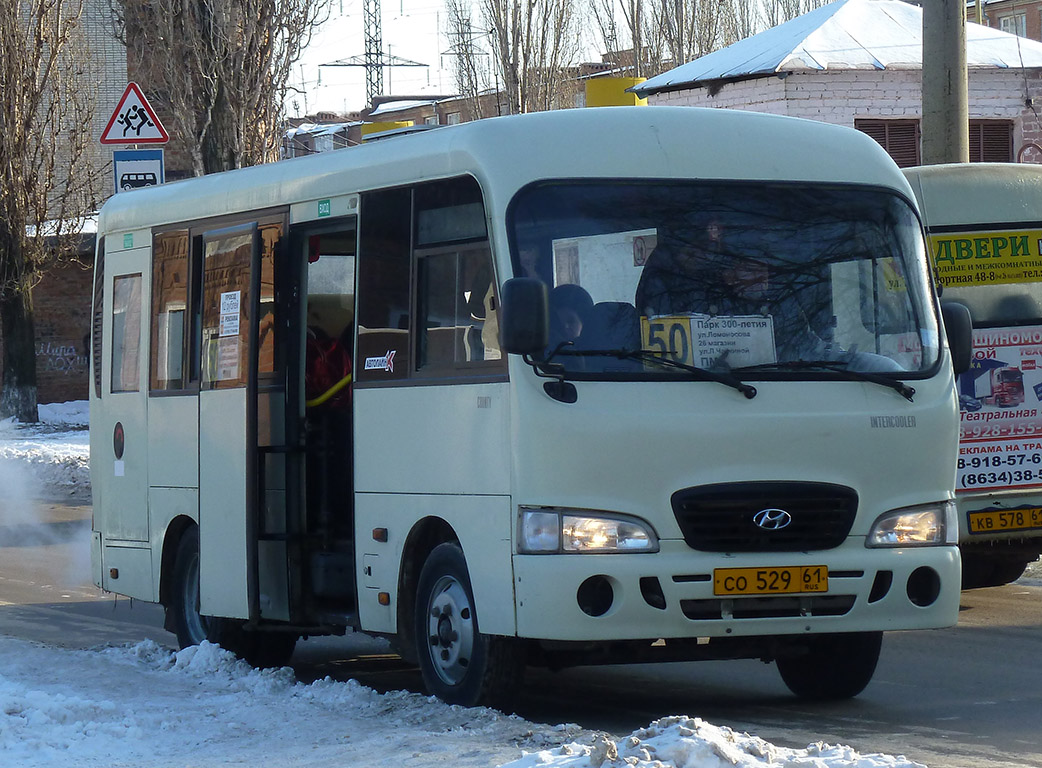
(544, 531)
(921, 526)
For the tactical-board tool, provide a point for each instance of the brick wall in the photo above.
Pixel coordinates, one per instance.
(841, 96)
(61, 311)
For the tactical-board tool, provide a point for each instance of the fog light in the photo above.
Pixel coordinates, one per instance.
(595, 596)
(924, 586)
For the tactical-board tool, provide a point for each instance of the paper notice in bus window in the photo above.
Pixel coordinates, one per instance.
(987, 258)
(705, 340)
(230, 303)
(740, 340)
(228, 358)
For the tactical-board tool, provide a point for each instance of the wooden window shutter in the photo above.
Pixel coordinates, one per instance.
(991, 141)
(900, 138)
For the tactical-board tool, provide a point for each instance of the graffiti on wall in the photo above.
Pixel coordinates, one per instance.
(63, 357)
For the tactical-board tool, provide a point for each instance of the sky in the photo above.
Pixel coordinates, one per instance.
(412, 29)
(145, 705)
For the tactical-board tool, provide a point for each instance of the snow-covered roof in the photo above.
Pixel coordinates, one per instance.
(319, 129)
(843, 35)
(399, 106)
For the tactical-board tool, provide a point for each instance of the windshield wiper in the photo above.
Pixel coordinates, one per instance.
(836, 366)
(702, 374)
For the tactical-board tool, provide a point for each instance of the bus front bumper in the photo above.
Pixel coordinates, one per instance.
(671, 593)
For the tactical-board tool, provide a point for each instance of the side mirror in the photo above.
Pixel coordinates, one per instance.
(958, 326)
(524, 318)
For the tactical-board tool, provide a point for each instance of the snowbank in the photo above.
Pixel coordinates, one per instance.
(146, 706)
(49, 459)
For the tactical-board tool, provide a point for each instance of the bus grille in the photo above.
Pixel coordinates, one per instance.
(767, 607)
(719, 518)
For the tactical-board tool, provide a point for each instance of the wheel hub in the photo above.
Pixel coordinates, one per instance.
(450, 628)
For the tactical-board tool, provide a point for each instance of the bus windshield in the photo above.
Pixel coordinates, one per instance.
(746, 277)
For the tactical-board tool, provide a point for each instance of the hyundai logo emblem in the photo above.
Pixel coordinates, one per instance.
(772, 519)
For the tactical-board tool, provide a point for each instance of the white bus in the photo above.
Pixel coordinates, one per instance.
(603, 385)
(984, 227)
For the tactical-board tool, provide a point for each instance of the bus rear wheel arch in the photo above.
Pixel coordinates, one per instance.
(460, 664)
(257, 647)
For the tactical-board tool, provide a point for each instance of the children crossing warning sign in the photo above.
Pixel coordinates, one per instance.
(134, 121)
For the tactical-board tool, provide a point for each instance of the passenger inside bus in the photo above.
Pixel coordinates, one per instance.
(328, 380)
(570, 305)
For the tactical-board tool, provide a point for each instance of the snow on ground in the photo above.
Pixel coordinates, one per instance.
(54, 453)
(145, 706)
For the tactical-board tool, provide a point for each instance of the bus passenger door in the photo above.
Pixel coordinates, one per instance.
(228, 338)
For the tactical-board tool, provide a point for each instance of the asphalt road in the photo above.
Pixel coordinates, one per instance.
(966, 697)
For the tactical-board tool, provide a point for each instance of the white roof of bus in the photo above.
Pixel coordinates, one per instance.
(506, 153)
(963, 194)
(843, 35)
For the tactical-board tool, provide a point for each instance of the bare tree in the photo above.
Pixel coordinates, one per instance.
(472, 76)
(777, 12)
(740, 20)
(533, 42)
(692, 28)
(48, 174)
(631, 35)
(220, 69)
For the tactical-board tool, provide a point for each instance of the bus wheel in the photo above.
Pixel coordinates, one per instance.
(988, 570)
(261, 649)
(190, 626)
(835, 666)
(460, 665)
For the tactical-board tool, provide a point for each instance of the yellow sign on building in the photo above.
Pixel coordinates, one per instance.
(611, 92)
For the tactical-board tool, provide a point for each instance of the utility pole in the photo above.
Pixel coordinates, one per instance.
(373, 60)
(945, 127)
(374, 72)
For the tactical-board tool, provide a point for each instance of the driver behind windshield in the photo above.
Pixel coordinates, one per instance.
(719, 271)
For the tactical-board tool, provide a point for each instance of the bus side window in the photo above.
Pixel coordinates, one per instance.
(126, 333)
(170, 280)
(457, 302)
(383, 286)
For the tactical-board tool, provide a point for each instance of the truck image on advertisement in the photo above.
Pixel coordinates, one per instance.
(984, 227)
(1007, 387)
(567, 388)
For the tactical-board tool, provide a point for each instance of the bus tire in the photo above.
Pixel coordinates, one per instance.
(261, 649)
(459, 664)
(989, 570)
(835, 666)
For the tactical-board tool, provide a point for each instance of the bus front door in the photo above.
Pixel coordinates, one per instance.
(239, 415)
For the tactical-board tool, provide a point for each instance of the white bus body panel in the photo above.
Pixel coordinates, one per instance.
(173, 442)
(437, 451)
(697, 433)
(222, 510)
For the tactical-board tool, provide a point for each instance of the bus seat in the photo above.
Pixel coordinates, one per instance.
(330, 313)
(610, 325)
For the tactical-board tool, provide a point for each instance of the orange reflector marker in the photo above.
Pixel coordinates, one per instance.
(380, 534)
(384, 598)
(114, 573)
